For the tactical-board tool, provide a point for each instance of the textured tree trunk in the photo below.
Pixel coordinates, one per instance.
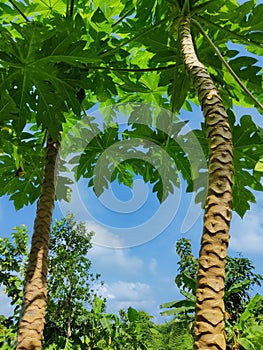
(31, 324)
(210, 311)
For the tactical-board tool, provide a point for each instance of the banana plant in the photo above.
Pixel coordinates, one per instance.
(246, 333)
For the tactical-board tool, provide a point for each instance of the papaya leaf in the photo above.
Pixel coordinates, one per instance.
(248, 150)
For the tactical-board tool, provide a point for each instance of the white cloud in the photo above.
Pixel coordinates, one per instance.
(247, 234)
(153, 266)
(6, 308)
(109, 259)
(116, 261)
(124, 294)
(102, 236)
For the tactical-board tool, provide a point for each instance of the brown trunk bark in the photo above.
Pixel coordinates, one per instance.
(31, 324)
(210, 312)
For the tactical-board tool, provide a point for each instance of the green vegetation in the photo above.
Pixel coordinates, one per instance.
(59, 58)
(244, 322)
(76, 316)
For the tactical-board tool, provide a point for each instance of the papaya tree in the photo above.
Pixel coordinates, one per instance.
(38, 86)
(210, 311)
(38, 92)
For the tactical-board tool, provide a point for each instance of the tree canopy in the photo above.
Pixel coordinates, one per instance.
(55, 55)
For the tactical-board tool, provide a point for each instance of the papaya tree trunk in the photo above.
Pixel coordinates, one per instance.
(31, 324)
(210, 311)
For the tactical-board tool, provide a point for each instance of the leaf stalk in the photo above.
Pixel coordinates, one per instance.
(226, 64)
(241, 38)
(19, 10)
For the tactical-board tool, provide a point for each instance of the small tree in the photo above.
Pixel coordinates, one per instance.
(240, 278)
(70, 284)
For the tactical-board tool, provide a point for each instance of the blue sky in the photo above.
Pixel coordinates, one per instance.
(142, 275)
